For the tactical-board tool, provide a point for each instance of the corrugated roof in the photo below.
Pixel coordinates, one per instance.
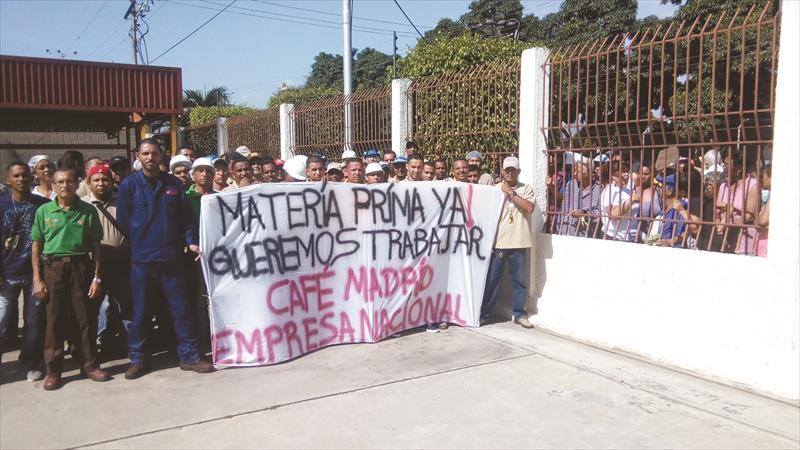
(55, 84)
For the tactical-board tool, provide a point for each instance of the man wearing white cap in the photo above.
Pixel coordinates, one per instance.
(203, 176)
(243, 150)
(181, 166)
(334, 172)
(374, 173)
(295, 169)
(511, 244)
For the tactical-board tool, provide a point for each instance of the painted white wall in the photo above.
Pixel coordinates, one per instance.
(730, 318)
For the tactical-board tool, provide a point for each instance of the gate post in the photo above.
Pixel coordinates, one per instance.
(287, 130)
(402, 115)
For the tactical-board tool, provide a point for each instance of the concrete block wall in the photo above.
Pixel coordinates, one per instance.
(730, 318)
(44, 138)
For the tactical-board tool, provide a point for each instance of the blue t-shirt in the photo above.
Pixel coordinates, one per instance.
(16, 221)
(675, 228)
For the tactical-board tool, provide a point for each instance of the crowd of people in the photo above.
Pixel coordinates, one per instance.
(104, 252)
(714, 202)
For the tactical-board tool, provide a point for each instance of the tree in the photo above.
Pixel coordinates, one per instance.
(446, 28)
(326, 71)
(301, 95)
(369, 69)
(219, 95)
(493, 18)
(584, 20)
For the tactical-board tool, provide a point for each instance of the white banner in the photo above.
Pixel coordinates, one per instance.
(294, 267)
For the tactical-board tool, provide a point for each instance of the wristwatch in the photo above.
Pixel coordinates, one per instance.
(513, 194)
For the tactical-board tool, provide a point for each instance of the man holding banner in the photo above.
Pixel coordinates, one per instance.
(512, 243)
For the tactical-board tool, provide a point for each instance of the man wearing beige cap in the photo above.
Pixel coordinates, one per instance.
(511, 245)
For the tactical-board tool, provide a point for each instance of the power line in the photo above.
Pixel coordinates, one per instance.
(337, 14)
(232, 11)
(91, 21)
(409, 21)
(194, 31)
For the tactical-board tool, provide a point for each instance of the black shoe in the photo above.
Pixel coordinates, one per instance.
(199, 366)
(135, 371)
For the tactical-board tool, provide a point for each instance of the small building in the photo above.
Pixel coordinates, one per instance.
(48, 106)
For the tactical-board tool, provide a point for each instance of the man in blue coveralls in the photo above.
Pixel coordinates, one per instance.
(153, 211)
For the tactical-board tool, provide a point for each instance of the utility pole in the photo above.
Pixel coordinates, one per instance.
(347, 28)
(394, 54)
(133, 14)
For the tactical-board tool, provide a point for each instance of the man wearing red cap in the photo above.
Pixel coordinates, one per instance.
(116, 256)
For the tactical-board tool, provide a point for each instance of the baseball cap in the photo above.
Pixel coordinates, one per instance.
(179, 160)
(372, 152)
(219, 162)
(333, 166)
(202, 162)
(511, 161)
(348, 154)
(373, 168)
(243, 150)
(119, 162)
(669, 180)
(295, 167)
(601, 158)
(400, 160)
(475, 154)
(98, 168)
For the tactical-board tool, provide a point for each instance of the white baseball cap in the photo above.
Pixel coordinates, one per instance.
(372, 168)
(243, 150)
(178, 160)
(511, 161)
(295, 167)
(349, 154)
(202, 162)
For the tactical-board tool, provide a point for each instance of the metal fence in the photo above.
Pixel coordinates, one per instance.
(475, 109)
(203, 138)
(260, 131)
(665, 136)
(318, 126)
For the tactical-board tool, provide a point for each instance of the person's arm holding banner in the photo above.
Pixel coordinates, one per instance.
(191, 229)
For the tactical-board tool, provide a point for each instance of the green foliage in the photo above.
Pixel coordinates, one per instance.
(202, 115)
(326, 71)
(493, 18)
(447, 55)
(219, 95)
(302, 95)
(446, 28)
(584, 20)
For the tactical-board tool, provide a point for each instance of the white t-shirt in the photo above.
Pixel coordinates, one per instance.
(619, 229)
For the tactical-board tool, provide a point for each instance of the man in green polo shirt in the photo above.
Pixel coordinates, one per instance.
(65, 231)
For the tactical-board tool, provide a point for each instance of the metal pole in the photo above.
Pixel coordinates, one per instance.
(394, 54)
(133, 30)
(347, 16)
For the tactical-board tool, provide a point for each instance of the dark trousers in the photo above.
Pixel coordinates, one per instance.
(69, 311)
(198, 300)
(515, 257)
(169, 279)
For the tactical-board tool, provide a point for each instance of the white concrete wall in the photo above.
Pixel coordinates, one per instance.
(730, 318)
(402, 116)
(287, 132)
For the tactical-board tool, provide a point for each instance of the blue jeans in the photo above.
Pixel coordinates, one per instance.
(515, 257)
(32, 315)
(147, 279)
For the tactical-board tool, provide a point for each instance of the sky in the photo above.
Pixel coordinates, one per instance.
(251, 48)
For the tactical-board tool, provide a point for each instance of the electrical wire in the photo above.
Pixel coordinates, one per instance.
(195, 30)
(337, 15)
(232, 11)
(91, 21)
(409, 21)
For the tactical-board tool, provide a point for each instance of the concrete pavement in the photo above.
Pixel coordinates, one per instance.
(499, 386)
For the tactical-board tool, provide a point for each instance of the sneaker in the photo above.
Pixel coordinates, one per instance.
(199, 366)
(523, 321)
(432, 328)
(34, 375)
(444, 326)
(484, 321)
(135, 371)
